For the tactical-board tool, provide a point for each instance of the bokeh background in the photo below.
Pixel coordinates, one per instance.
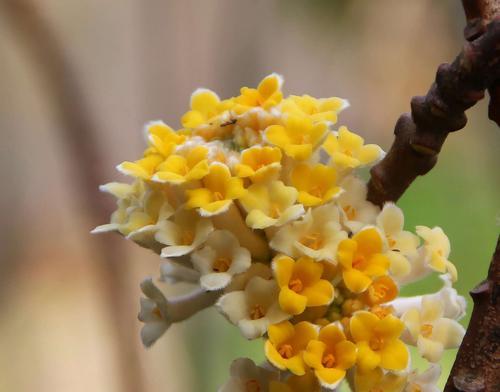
(78, 79)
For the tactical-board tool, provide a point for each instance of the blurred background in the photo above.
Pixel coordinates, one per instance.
(78, 79)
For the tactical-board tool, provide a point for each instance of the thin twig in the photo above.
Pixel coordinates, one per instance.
(78, 132)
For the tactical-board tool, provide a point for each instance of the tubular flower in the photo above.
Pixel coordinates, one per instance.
(271, 204)
(378, 341)
(300, 284)
(319, 110)
(298, 137)
(316, 184)
(362, 260)
(347, 150)
(254, 308)
(330, 356)
(436, 250)
(259, 163)
(177, 169)
(317, 235)
(162, 142)
(218, 192)
(219, 259)
(267, 95)
(286, 344)
(430, 331)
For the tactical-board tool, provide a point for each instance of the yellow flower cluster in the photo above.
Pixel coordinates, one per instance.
(256, 202)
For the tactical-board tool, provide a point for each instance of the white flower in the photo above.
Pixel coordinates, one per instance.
(220, 258)
(425, 381)
(436, 250)
(454, 305)
(355, 210)
(401, 244)
(430, 331)
(248, 377)
(253, 309)
(158, 313)
(183, 233)
(316, 235)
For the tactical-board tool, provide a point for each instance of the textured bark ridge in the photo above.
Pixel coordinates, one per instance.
(477, 367)
(420, 135)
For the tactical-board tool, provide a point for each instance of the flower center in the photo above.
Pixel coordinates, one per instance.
(296, 285)
(378, 292)
(376, 343)
(156, 311)
(358, 262)
(256, 312)
(313, 241)
(426, 330)
(275, 211)
(221, 264)
(382, 311)
(316, 191)
(218, 196)
(391, 242)
(187, 237)
(252, 386)
(286, 351)
(350, 212)
(328, 361)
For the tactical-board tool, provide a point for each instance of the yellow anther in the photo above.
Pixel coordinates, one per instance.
(350, 211)
(358, 262)
(286, 351)
(218, 196)
(156, 311)
(376, 343)
(221, 264)
(426, 330)
(274, 211)
(296, 285)
(257, 312)
(313, 241)
(187, 237)
(382, 311)
(328, 361)
(391, 242)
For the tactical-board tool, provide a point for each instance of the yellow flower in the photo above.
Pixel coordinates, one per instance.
(271, 204)
(382, 290)
(259, 163)
(162, 142)
(266, 95)
(378, 341)
(347, 149)
(300, 284)
(308, 382)
(377, 381)
(330, 356)
(219, 191)
(177, 169)
(206, 106)
(298, 137)
(316, 184)
(286, 344)
(361, 259)
(323, 109)
(437, 250)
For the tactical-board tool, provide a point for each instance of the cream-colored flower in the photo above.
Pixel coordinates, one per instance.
(425, 381)
(173, 272)
(430, 331)
(355, 210)
(316, 235)
(254, 308)
(436, 250)
(158, 313)
(220, 259)
(183, 233)
(246, 376)
(240, 281)
(271, 204)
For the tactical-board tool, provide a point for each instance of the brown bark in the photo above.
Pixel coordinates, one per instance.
(420, 135)
(477, 367)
